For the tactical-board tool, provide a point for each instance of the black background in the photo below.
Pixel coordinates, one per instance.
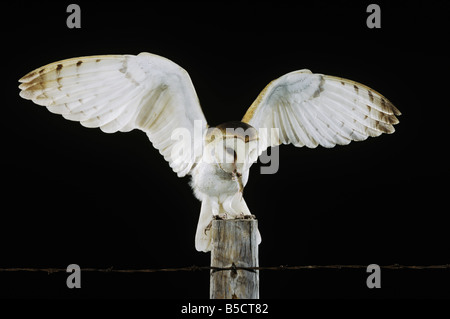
(77, 195)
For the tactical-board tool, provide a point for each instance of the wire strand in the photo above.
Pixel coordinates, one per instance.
(234, 268)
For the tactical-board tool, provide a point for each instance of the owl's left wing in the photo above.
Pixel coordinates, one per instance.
(315, 109)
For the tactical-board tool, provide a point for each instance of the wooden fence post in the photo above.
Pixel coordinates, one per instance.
(234, 243)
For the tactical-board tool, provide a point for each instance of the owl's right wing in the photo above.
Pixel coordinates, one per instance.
(122, 93)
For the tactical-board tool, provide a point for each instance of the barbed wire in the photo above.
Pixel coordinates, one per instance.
(233, 268)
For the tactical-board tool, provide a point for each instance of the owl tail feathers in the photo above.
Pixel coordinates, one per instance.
(203, 234)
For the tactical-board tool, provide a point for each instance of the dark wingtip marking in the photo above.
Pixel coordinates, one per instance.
(30, 75)
(385, 128)
(370, 96)
(79, 63)
(383, 104)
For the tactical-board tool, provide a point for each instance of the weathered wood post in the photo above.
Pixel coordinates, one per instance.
(234, 243)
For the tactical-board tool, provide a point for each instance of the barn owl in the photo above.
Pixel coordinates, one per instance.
(153, 94)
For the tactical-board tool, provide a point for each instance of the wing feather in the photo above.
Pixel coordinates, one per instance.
(299, 128)
(294, 134)
(122, 93)
(314, 109)
(341, 137)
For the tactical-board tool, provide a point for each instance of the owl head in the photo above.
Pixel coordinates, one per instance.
(231, 145)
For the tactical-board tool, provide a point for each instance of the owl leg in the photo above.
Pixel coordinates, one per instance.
(235, 205)
(231, 205)
(217, 211)
(245, 211)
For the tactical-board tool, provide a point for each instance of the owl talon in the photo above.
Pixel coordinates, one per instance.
(208, 228)
(220, 217)
(244, 216)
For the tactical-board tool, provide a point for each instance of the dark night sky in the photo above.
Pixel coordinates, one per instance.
(77, 195)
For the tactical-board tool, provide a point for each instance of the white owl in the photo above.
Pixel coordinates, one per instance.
(155, 95)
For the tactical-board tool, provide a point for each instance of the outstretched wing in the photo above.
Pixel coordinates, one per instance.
(121, 93)
(314, 109)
